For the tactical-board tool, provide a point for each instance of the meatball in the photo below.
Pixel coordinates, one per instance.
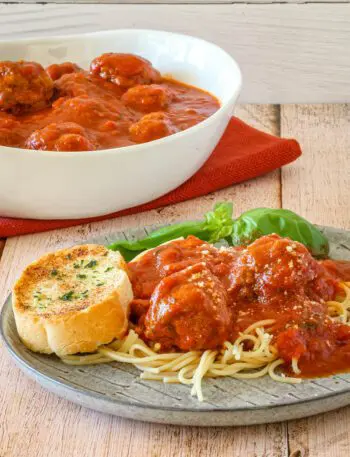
(86, 111)
(176, 255)
(55, 71)
(152, 127)
(166, 259)
(82, 83)
(273, 265)
(147, 98)
(10, 130)
(124, 70)
(67, 136)
(189, 310)
(24, 86)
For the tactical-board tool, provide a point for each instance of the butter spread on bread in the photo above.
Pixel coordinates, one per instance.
(73, 300)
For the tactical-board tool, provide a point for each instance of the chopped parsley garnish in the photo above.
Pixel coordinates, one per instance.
(54, 272)
(68, 296)
(91, 264)
(84, 294)
(108, 269)
(100, 284)
(78, 264)
(68, 256)
(81, 276)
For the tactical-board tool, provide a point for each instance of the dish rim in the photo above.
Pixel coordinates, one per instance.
(65, 384)
(100, 396)
(137, 147)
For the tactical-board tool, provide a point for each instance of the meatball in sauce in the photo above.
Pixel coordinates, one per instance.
(190, 295)
(24, 87)
(57, 70)
(60, 137)
(152, 127)
(147, 98)
(189, 309)
(121, 100)
(124, 70)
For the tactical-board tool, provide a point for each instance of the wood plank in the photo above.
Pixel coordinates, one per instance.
(57, 428)
(167, 2)
(288, 53)
(318, 184)
(318, 187)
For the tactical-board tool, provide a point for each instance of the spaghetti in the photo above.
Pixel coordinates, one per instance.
(233, 360)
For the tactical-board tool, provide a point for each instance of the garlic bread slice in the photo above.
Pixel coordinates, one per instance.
(73, 300)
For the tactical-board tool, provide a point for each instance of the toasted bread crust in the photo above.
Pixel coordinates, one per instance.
(69, 321)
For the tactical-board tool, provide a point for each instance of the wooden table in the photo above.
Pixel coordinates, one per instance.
(35, 423)
(291, 51)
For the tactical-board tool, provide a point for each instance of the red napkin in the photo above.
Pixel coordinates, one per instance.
(242, 153)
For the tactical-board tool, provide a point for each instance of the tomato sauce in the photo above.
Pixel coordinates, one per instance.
(193, 296)
(339, 269)
(123, 100)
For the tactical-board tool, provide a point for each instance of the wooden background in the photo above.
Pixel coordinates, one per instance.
(36, 423)
(294, 52)
(289, 53)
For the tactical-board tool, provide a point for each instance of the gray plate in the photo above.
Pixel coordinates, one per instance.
(117, 389)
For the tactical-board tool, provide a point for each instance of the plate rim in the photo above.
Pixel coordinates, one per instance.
(67, 385)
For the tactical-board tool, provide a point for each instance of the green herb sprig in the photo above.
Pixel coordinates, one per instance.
(218, 225)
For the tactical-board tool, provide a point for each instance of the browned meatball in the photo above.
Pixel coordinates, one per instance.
(189, 310)
(124, 70)
(55, 71)
(152, 127)
(147, 98)
(67, 136)
(272, 265)
(24, 86)
(86, 111)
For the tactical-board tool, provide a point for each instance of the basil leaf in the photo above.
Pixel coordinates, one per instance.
(219, 222)
(264, 221)
(216, 226)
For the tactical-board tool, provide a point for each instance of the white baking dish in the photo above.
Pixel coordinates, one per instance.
(58, 185)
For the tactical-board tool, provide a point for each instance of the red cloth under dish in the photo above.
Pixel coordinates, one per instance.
(242, 153)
